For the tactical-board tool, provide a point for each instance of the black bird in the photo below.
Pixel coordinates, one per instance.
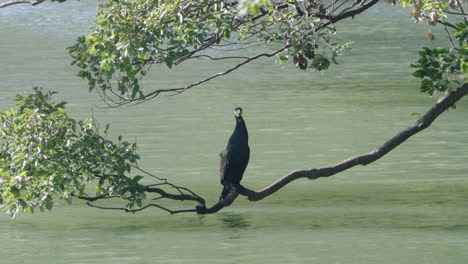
(235, 157)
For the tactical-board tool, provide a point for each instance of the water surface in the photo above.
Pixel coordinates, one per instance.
(409, 207)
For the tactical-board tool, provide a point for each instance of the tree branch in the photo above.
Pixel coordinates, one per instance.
(346, 14)
(95, 198)
(331, 20)
(365, 159)
(217, 58)
(15, 2)
(143, 208)
(178, 197)
(153, 94)
(462, 10)
(31, 2)
(424, 122)
(227, 200)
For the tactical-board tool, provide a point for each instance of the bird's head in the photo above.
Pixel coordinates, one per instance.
(238, 112)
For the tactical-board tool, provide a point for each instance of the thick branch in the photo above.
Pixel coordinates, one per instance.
(223, 201)
(424, 122)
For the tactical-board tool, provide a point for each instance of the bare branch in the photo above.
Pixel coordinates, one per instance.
(143, 208)
(31, 2)
(447, 24)
(15, 2)
(350, 13)
(92, 199)
(462, 10)
(449, 37)
(424, 122)
(218, 58)
(243, 47)
(365, 159)
(235, 190)
(183, 89)
(178, 197)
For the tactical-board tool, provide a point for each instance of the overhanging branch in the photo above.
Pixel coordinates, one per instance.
(16, 2)
(143, 208)
(365, 159)
(424, 122)
(31, 2)
(153, 94)
(213, 41)
(178, 197)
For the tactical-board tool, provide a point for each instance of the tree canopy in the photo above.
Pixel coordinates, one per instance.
(131, 36)
(45, 154)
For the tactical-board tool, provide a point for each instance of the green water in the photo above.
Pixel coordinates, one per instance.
(409, 207)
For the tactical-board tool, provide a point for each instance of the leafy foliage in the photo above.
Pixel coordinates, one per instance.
(431, 10)
(443, 69)
(130, 36)
(46, 154)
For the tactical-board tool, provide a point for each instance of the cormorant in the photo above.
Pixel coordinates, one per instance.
(235, 157)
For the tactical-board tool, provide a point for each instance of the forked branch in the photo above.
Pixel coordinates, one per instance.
(314, 173)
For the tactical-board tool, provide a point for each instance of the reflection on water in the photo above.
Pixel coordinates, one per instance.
(409, 207)
(233, 221)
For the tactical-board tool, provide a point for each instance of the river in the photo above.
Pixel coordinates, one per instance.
(409, 207)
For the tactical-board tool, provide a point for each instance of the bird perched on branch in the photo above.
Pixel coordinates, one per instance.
(235, 157)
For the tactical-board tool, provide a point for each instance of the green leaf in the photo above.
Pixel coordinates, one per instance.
(320, 63)
(107, 128)
(227, 33)
(137, 178)
(93, 50)
(104, 64)
(169, 62)
(22, 203)
(419, 74)
(49, 204)
(427, 86)
(464, 67)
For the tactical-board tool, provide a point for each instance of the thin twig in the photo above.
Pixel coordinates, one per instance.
(92, 199)
(450, 37)
(180, 90)
(218, 58)
(462, 10)
(142, 208)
